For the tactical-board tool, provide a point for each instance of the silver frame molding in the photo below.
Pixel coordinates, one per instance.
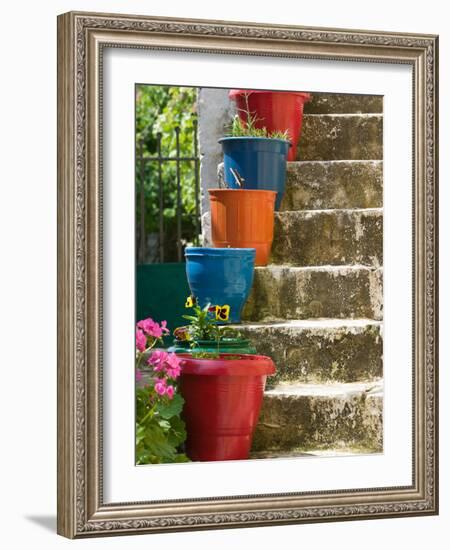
(81, 510)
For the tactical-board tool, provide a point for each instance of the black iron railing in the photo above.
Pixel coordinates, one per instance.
(143, 160)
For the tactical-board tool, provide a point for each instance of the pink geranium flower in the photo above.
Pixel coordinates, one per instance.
(173, 368)
(141, 340)
(164, 328)
(158, 359)
(151, 328)
(170, 391)
(161, 386)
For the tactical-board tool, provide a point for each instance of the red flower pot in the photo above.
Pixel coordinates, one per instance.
(277, 111)
(223, 398)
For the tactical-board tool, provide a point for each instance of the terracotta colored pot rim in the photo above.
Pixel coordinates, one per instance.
(245, 365)
(234, 93)
(247, 191)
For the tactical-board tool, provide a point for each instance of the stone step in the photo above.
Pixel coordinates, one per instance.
(329, 237)
(320, 184)
(322, 103)
(282, 292)
(317, 185)
(321, 416)
(320, 350)
(313, 452)
(341, 137)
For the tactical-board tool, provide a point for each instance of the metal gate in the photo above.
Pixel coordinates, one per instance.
(143, 159)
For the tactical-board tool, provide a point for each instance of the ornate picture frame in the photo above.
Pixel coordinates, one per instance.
(82, 37)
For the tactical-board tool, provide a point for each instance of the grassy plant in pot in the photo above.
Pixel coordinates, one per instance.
(223, 393)
(221, 276)
(203, 333)
(275, 110)
(254, 158)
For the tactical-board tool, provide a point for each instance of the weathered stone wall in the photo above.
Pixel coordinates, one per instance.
(215, 113)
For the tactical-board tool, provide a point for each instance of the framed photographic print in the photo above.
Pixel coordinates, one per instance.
(247, 278)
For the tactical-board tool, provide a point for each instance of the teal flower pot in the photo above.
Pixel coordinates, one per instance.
(221, 276)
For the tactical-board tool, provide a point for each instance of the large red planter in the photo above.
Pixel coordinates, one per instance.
(223, 399)
(277, 111)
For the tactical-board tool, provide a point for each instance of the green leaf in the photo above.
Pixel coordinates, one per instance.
(180, 457)
(177, 434)
(189, 317)
(157, 444)
(164, 424)
(169, 408)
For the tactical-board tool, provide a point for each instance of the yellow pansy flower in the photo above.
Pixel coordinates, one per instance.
(190, 301)
(222, 313)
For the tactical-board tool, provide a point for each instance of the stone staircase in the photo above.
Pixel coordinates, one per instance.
(317, 309)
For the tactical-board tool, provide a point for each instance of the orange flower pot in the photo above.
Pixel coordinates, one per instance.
(243, 218)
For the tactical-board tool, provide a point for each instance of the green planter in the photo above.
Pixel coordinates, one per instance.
(227, 345)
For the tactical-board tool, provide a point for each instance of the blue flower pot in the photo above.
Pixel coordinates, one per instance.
(261, 162)
(221, 276)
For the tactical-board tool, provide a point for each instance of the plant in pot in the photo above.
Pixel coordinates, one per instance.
(274, 110)
(221, 276)
(223, 394)
(255, 158)
(203, 333)
(160, 431)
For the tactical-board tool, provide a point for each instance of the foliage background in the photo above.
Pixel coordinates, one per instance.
(162, 109)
